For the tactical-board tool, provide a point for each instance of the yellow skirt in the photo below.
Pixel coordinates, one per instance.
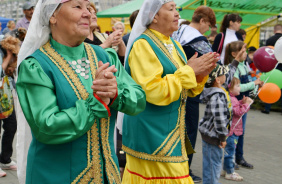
(138, 171)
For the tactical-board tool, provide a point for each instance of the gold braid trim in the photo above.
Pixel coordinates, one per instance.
(177, 141)
(62, 64)
(93, 172)
(156, 158)
(160, 44)
(182, 121)
(166, 140)
(62, 71)
(92, 57)
(169, 144)
(111, 168)
(180, 133)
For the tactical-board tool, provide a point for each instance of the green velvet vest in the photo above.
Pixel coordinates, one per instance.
(90, 158)
(159, 132)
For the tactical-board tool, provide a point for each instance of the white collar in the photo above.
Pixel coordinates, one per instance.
(186, 34)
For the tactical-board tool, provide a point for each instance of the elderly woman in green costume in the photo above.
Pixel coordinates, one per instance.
(70, 92)
(155, 140)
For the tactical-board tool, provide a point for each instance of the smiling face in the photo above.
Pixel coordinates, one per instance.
(71, 20)
(119, 27)
(167, 18)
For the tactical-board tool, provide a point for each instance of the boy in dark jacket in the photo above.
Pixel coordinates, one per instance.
(214, 125)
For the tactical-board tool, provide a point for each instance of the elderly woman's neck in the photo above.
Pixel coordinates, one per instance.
(70, 42)
(160, 29)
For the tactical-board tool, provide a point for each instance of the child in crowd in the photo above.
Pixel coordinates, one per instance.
(218, 114)
(239, 108)
(250, 63)
(246, 86)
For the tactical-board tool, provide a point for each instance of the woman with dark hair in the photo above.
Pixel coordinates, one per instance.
(192, 40)
(230, 24)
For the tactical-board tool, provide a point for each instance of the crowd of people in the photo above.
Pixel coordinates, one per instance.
(92, 107)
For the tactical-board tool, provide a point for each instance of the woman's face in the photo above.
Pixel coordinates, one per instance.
(235, 25)
(119, 27)
(93, 19)
(72, 19)
(167, 18)
(204, 26)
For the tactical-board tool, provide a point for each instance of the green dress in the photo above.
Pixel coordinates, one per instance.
(72, 129)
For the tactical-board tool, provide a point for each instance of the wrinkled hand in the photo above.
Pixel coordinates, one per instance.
(241, 56)
(105, 84)
(114, 39)
(203, 65)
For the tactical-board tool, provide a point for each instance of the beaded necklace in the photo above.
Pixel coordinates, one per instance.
(81, 67)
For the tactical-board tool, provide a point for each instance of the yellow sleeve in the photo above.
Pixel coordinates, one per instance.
(200, 86)
(147, 71)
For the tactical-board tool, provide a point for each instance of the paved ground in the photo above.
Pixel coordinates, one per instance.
(263, 148)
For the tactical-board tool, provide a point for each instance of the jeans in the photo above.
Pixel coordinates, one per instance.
(267, 107)
(239, 149)
(10, 128)
(191, 121)
(212, 156)
(228, 163)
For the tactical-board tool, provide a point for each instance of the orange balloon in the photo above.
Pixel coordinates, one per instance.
(270, 46)
(270, 93)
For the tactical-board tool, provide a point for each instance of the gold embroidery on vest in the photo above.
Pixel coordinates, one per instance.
(156, 158)
(111, 168)
(63, 64)
(169, 144)
(177, 141)
(62, 71)
(93, 172)
(165, 141)
(172, 139)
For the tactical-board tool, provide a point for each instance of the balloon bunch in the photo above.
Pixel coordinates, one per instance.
(266, 60)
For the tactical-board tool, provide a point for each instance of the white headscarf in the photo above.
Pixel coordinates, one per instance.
(145, 17)
(37, 35)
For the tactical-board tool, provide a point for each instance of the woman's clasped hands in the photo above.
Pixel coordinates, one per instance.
(105, 84)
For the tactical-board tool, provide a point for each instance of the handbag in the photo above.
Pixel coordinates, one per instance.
(6, 97)
(219, 50)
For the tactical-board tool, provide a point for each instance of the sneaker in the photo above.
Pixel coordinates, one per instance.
(265, 112)
(195, 178)
(10, 166)
(236, 167)
(2, 173)
(234, 176)
(245, 164)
